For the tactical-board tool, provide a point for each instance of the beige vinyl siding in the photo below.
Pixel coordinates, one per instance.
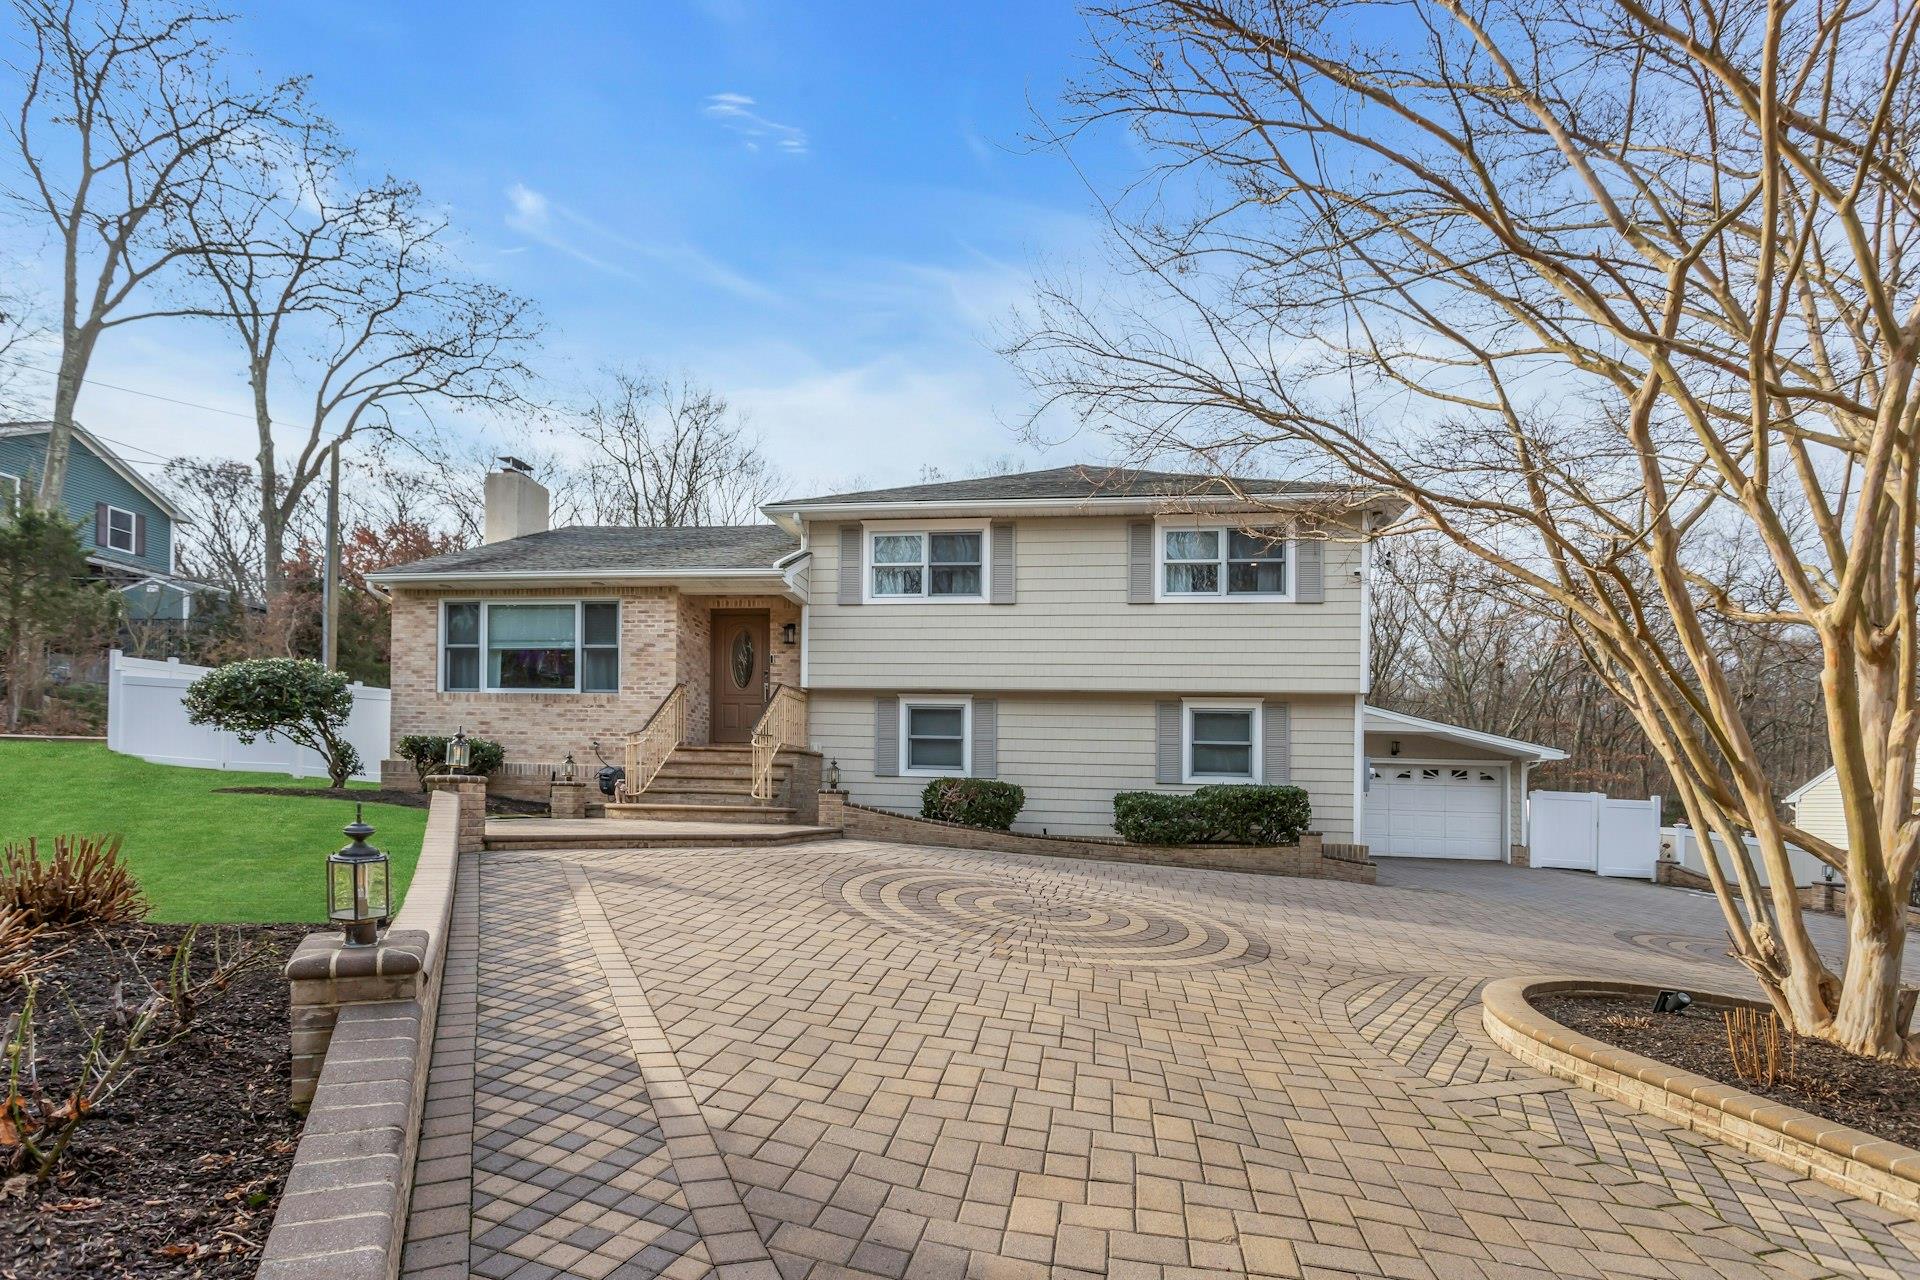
(1073, 630)
(1072, 752)
(1819, 812)
(1414, 746)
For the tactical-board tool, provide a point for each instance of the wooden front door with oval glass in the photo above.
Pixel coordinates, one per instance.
(739, 674)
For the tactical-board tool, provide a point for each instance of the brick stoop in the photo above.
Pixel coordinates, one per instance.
(710, 784)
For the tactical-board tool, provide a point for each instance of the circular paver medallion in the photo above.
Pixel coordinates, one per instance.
(1687, 945)
(1042, 921)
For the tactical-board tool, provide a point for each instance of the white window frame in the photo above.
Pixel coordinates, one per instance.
(868, 532)
(580, 646)
(1255, 761)
(19, 489)
(946, 702)
(133, 530)
(1225, 529)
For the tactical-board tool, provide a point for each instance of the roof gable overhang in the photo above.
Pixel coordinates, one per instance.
(770, 580)
(114, 463)
(1379, 721)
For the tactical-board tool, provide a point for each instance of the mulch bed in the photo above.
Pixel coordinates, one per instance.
(179, 1173)
(1880, 1098)
(386, 795)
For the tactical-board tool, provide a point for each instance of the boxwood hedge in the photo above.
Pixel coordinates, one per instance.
(1213, 815)
(972, 802)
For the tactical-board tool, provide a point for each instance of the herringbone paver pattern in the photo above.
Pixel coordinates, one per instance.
(933, 1063)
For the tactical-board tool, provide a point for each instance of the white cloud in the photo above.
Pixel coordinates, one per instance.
(738, 112)
(614, 253)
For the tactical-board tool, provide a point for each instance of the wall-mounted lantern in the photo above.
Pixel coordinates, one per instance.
(789, 633)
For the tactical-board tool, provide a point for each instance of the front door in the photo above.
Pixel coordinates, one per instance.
(739, 674)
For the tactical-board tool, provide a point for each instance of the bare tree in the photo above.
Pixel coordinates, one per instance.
(20, 329)
(352, 296)
(221, 541)
(667, 452)
(1594, 286)
(125, 124)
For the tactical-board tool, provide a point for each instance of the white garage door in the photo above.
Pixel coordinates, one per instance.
(1439, 810)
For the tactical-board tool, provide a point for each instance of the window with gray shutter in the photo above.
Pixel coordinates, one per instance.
(1166, 743)
(886, 737)
(1140, 565)
(1310, 563)
(1276, 744)
(986, 737)
(851, 570)
(1002, 586)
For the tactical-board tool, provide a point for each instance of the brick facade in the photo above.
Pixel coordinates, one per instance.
(664, 640)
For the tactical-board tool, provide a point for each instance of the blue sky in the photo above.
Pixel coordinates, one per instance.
(822, 209)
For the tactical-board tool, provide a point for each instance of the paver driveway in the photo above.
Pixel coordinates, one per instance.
(852, 1059)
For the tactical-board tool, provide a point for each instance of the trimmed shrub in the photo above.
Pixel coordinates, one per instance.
(1150, 817)
(296, 698)
(1214, 815)
(85, 881)
(972, 802)
(427, 753)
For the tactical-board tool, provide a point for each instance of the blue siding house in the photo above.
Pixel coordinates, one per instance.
(126, 523)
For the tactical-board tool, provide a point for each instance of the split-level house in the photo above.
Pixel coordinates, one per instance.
(126, 521)
(1078, 631)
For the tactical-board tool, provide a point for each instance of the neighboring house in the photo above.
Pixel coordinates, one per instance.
(1817, 809)
(126, 523)
(1079, 631)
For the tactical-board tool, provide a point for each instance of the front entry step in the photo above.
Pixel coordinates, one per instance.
(674, 811)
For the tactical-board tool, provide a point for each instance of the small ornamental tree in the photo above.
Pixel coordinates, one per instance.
(296, 698)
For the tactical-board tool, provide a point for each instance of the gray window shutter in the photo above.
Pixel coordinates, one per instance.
(986, 737)
(886, 737)
(1309, 559)
(140, 535)
(1140, 564)
(1276, 744)
(1166, 744)
(851, 545)
(1001, 591)
(100, 525)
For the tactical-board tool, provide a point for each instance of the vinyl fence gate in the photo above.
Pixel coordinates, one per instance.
(1586, 831)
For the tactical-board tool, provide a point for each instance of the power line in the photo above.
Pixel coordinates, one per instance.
(134, 391)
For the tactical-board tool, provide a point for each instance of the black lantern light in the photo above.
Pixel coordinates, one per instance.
(566, 768)
(789, 633)
(459, 751)
(833, 775)
(358, 887)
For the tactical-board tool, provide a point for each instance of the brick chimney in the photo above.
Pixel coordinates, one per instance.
(516, 502)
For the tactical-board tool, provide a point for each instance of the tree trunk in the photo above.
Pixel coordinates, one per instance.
(66, 396)
(272, 527)
(1864, 1021)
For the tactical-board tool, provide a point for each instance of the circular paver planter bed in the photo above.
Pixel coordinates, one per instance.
(1519, 1013)
(179, 1172)
(1881, 1098)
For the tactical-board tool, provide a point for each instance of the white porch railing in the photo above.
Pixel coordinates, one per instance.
(782, 724)
(648, 749)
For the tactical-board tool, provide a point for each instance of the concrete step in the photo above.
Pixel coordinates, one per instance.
(707, 794)
(702, 772)
(658, 836)
(754, 813)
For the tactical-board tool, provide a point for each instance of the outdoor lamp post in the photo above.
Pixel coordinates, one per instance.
(566, 768)
(459, 751)
(357, 886)
(833, 775)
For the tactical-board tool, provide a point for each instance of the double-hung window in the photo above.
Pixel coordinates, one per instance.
(927, 564)
(561, 646)
(1222, 741)
(1222, 561)
(122, 530)
(934, 737)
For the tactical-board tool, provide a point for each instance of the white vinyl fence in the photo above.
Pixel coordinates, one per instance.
(1586, 831)
(1683, 842)
(145, 718)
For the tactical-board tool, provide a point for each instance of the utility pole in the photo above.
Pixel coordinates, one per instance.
(330, 579)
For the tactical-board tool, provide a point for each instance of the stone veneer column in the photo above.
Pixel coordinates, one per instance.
(833, 809)
(325, 974)
(471, 834)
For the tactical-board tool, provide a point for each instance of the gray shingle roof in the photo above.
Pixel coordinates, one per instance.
(1064, 482)
(584, 548)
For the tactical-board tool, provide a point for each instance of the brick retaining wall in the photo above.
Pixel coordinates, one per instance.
(363, 1023)
(1311, 858)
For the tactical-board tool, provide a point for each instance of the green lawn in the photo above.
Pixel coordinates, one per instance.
(199, 855)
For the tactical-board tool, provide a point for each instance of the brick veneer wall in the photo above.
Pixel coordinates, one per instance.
(1310, 858)
(664, 639)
